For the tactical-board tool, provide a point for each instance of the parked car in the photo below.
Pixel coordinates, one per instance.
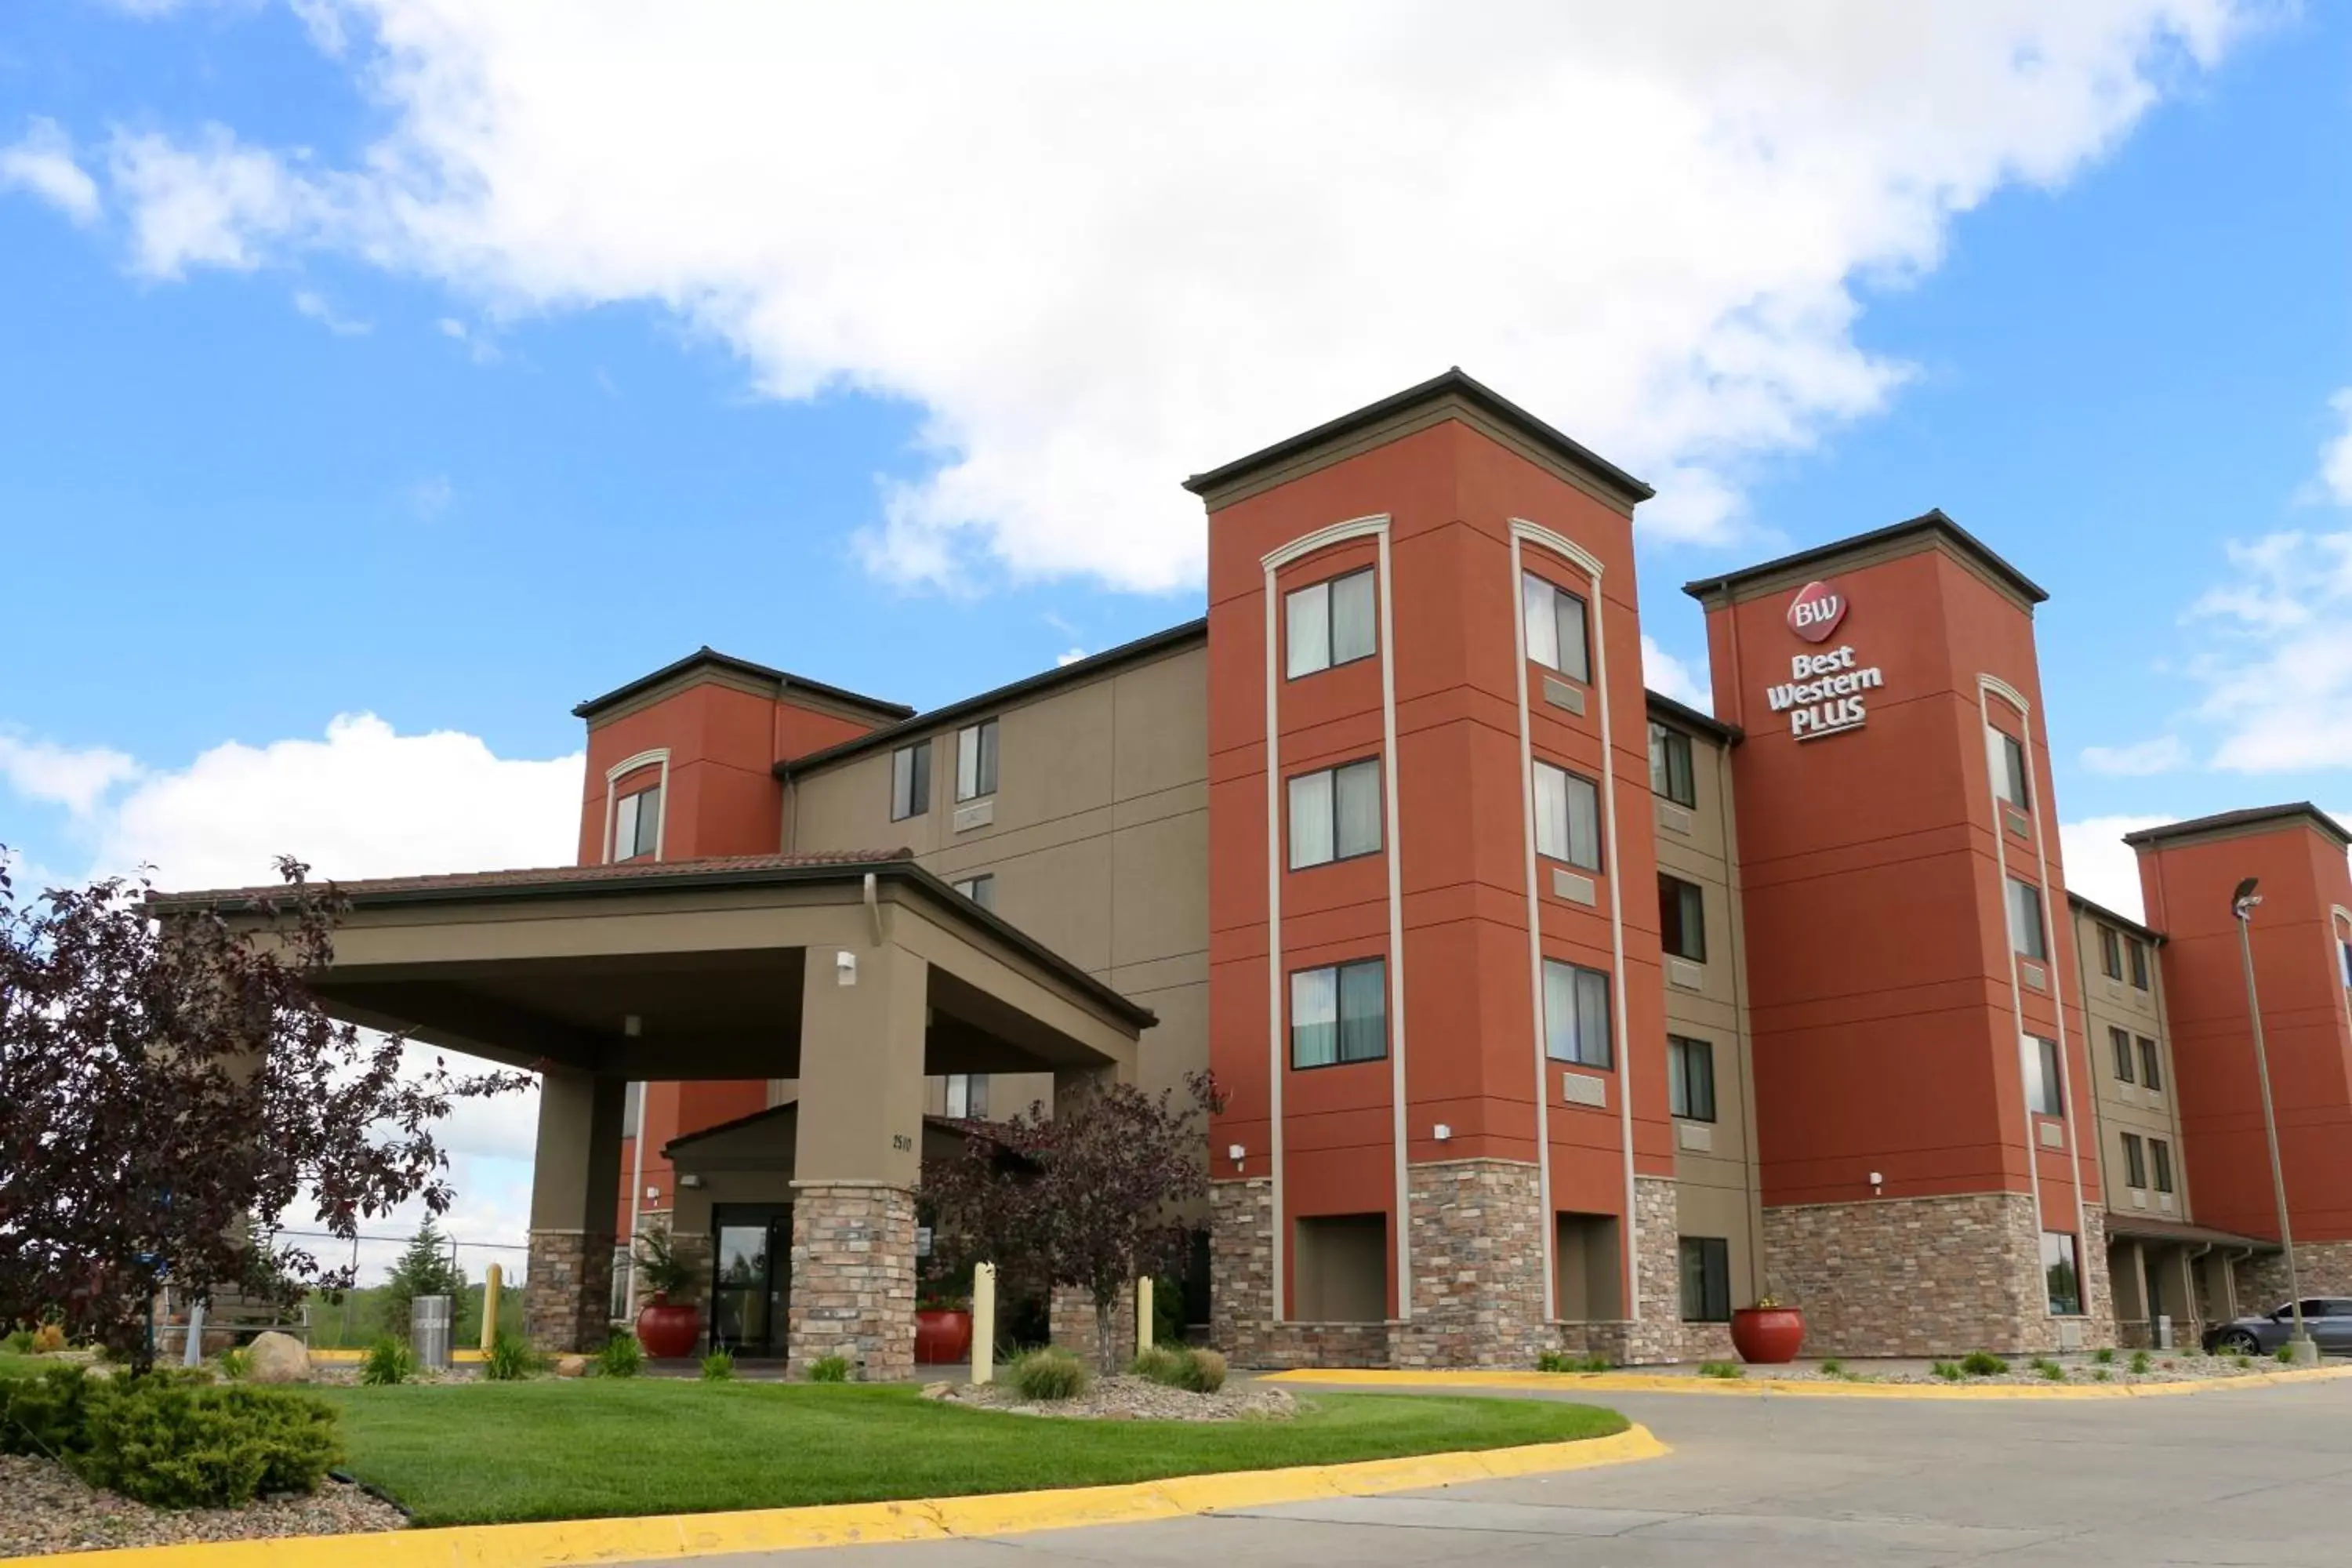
(2328, 1318)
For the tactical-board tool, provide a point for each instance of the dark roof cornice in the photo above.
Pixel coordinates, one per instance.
(1932, 523)
(707, 658)
(1665, 707)
(2252, 816)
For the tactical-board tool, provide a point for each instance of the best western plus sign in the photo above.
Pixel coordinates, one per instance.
(1823, 693)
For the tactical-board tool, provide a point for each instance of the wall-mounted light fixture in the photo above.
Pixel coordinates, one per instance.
(844, 968)
(632, 1025)
(1443, 1132)
(1236, 1152)
(691, 1179)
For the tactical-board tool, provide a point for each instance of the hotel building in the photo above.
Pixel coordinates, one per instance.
(1551, 1013)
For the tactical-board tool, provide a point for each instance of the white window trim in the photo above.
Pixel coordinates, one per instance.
(658, 756)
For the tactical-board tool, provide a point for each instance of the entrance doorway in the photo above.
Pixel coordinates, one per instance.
(751, 1277)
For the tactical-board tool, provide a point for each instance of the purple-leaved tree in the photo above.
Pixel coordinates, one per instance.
(170, 1091)
(1089, 1198)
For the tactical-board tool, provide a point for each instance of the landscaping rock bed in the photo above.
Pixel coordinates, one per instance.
(1128, 1399)
(44, 1508)
(2081, 1370)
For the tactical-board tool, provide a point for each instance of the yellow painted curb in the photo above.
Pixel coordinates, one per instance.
(850, 1524)
(1661, 1382)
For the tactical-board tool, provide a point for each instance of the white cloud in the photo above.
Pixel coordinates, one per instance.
(2099, 864)
(74, 778)
(1072, 656)
(1670, 676)
(1102, 245)
(2335, 457)
(42, 162)
(315, 306)
(2161, 755)
(2277, 669)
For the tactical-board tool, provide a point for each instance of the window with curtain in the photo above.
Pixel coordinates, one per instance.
(2007, 760)
(2134, 1161)
(2026, 933)
(1339, 1013)
(1576, 1015)
(1335, 814)
(2111, 952)
(2120, 1040)
(911, 781)
(1670, 764)
(636, 824)
(2162, 1151)
(976, 759)
(2138, 951)
(1555, 621)
(1329, 623)
(1707, 1279)
(967, 1095)
(1568, 818)
(1682, 919)
(2151, 1072)
(1690, 1078)
(2041, 1080)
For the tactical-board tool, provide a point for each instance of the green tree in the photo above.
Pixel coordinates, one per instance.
(426, 1269)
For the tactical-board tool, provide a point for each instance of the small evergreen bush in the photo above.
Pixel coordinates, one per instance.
(509, 1359)
(2245, 1363)
(1050, 1373)
(620, 1357)
(1560, 1360)
(43, 1414)
(1833, 1367)
(387, 1362)
(2139, 1362)
(18, 1342)
(236, 1365)
(829, 1369)
(718, 1366)
(1949, 1371)
(1983, 1363)
(2102, 1374)
(2049, 1369)
(2105, 1355)
(1723, 1369)
(2283, 1355)
(177, 1444)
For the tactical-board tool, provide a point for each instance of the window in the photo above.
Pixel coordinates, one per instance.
(2135, 1162)
(976, 759)
(979, 890)
(1335, 814)
(2008, 759)
(968, 1096)
(2042, 1096)
(2111, 952)
(1670, 766)
(2058, 1267)
(1707, 1279)
(1554, 628)
(633, 1109)
(1568, 818)
(1340, 1014)
(2345, 948)
(2026, 934)
(1690, 1078)
(1330, 623)
(2120, 1042)
(1576, 1015)
(2162, 1152)
(1682, 919)
(2138, 951)
(636, 824)
(2151, 1075)
(911, 781)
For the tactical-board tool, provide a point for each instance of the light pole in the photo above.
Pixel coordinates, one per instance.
(2242, 905)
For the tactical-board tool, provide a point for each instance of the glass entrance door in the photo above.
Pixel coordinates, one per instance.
(751, 1287)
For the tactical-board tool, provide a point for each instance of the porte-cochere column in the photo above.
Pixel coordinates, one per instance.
(567, 1299)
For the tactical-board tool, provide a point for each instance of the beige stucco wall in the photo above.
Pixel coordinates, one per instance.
(1099, 841)
(2122, 1108)
(1714, 1163)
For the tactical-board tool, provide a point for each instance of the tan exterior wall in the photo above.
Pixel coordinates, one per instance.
(1714, 1162)
(2108, 1005)
(1097, 836)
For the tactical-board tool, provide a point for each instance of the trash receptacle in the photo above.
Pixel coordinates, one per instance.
(428, 1332)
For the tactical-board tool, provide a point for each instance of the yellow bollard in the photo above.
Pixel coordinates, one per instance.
(1143, 1314)
(491, 1280)
(983, 1322)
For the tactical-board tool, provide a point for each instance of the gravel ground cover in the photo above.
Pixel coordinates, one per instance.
(44, 1508)
(1129, 1399)
(2163, 1366)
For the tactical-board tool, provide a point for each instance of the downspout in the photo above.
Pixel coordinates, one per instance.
(874, 907)
(637, 1197)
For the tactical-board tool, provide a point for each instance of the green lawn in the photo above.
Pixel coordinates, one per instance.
(487, 1453)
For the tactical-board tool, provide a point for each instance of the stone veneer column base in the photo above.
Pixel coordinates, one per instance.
(1477, 1267)
(2323, 1268)
(853, 1279)
(1930, 1277)
(567, 1297)
(1070, 1323)
(1240, 1293)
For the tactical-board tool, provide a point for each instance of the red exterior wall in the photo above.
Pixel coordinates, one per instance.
(1878, 950)
(1468, 1015)
(2298, 974)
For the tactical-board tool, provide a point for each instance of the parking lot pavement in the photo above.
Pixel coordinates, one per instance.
(2258, 1475)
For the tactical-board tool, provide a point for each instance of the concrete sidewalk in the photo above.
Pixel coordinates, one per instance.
(2259, 1477)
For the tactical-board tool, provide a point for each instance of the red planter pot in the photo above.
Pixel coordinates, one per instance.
(1768, 1336)
(668, 1331)
(941, 1337)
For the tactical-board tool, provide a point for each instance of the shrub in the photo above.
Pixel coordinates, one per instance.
(2139, 1362)
(178, 1443)
(43, 1414)
(2283, 1355)
(718, 1367)
(1204, 1370)
(1158, 1364)
(2245, 1363)
(1560, 1360)
(387, 1362)
(48, 1339)
(1949, 1371)
(236, 1365)
(1050, 1373)
(2104, 1356)
(829, 1369)
(509, 1359)
(1833, 1367)
(18, 1342)
(1725, 1369)
(2102, 1374)
(2049, 1369)
(620, 1357)
(1983, 1363)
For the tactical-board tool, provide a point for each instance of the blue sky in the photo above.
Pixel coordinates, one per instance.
(371, 357)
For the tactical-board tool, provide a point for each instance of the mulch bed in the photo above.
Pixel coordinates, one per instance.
(44, 1507)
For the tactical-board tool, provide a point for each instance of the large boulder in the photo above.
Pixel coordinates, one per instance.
(571, 1367)
(279, 1358)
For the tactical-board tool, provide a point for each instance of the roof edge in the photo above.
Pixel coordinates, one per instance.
(2288, 812)
(708, 656)
(2101, 911)
(1685, 714)
(1931, 521)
